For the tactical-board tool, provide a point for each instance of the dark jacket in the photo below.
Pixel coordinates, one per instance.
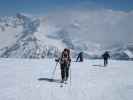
(106, 55)
(65, 57)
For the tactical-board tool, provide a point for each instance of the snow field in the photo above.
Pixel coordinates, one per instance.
(24, 79)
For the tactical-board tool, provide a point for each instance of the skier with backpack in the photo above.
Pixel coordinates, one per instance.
(64, 61)
(106, 56)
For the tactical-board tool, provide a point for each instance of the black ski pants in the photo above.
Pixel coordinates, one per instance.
(105, 61)
(64, 71)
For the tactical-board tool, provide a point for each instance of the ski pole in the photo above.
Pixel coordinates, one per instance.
(70, 77)
(54, 70)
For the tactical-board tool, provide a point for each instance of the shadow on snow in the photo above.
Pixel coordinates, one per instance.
(98, 65)
(49, 80)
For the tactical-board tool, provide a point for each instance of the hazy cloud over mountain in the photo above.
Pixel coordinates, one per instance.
(104, 26)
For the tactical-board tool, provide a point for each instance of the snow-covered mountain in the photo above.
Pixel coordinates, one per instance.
(122, 52)
(26, 36)
(27, 39)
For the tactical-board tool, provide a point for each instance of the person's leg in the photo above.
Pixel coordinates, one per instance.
(77, 59)
(104, 62)
(67, 72)
(107, 62)
(62, 72)
(81, 59)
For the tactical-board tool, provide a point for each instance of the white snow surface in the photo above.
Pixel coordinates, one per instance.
(89, 80)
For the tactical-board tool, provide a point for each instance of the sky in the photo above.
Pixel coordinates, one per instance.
(10, 7)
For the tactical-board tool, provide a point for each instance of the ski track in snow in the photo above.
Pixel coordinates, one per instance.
(24, 79)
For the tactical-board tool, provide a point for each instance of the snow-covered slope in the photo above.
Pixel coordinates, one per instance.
(123, 52)
(30, 42)
(26, 36)
(30, 80)
(36, 37)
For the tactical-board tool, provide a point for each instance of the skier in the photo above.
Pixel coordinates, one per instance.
(80, 57)
(106, 56)
(64, 61)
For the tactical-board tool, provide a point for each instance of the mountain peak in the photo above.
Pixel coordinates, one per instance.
(24, 15)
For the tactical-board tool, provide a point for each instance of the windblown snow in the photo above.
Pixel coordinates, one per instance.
(25, 79)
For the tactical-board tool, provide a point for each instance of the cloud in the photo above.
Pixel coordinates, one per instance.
(99, 25)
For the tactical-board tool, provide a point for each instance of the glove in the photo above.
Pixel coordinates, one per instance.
(56, 60)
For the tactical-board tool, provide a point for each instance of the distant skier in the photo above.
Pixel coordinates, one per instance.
(80, 57)
(106, 56)
(65, 61)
